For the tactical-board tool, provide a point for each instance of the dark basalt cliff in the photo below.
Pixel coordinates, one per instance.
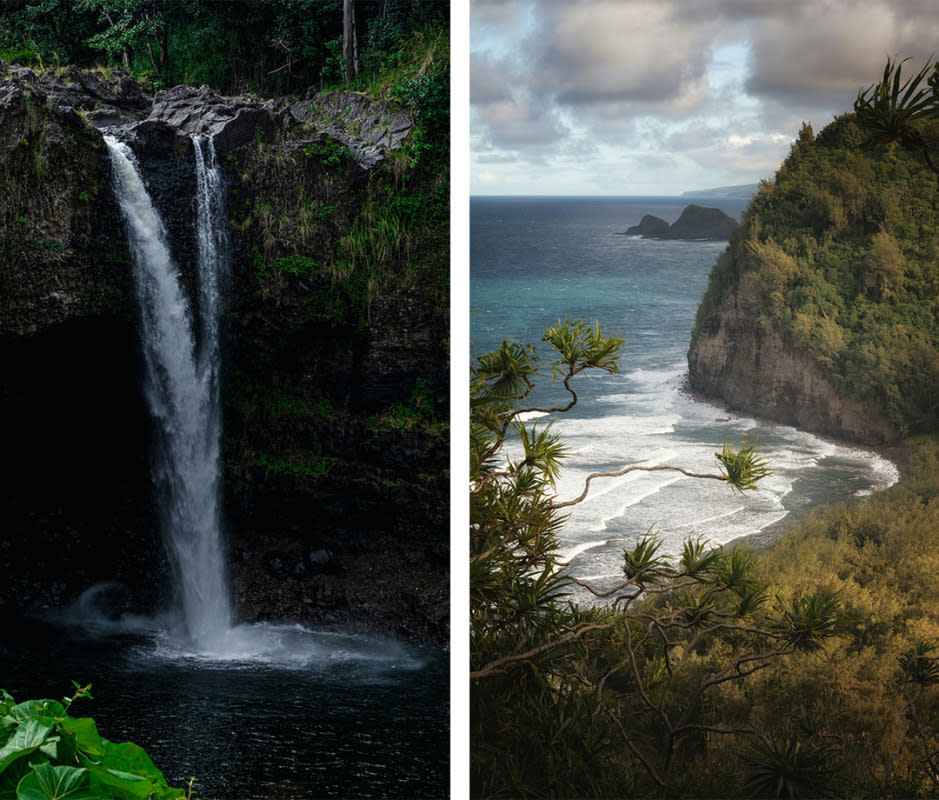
(741, 359)
(335, 336)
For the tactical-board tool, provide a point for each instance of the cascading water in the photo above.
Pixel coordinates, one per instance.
(182, 365)
(330, 705)
(182, 385)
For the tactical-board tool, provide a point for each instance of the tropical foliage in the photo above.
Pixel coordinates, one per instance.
(893, 111)
(806, 670)
(571, 700)
(46, 754)
(269, 46)
(839, 254)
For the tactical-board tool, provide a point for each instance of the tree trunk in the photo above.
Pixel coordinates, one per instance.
(162, 39)
(349, 44)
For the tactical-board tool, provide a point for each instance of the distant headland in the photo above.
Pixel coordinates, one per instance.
(743, 190)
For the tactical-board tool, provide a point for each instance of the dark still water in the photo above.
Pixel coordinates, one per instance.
(537, 260)
(334, 715)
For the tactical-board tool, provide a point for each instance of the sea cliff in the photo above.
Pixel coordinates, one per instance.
(821, 312)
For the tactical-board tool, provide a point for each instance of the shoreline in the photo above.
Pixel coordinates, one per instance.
(896, 454)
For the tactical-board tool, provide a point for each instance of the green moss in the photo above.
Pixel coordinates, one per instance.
(330, 152)
(293, 462)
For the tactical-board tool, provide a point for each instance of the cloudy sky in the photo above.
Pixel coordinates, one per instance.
(656, 97)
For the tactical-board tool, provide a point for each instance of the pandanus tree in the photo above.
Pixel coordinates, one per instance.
(571, 700)
(896, 110)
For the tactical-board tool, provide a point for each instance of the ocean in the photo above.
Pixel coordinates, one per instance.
(537, 260)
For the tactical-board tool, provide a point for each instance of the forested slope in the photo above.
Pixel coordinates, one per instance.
(822, 312)
(265, 46)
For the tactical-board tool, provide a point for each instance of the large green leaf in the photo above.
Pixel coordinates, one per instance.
(130, 758)
(121, 784)
(87, 738)
(10, 778)
(48, 710)
(46, 782)
(27, 738)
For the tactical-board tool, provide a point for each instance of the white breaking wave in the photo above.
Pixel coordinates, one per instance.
(665, 426)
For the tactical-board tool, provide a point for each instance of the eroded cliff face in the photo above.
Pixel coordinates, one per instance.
(335, 437)
(740, 359)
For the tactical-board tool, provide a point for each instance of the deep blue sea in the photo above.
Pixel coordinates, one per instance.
(535, 260)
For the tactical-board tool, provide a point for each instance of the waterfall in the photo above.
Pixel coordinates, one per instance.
(182, 360)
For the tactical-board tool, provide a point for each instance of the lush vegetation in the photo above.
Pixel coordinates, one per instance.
(569, 700)
(47, 754)
(267, 46)
(840, 250)
(809, 669)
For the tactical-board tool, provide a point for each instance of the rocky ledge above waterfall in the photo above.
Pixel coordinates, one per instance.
(335, 336)
(113, 100)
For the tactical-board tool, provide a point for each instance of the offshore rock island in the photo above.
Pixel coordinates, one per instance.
(335, 398)
(695, 222)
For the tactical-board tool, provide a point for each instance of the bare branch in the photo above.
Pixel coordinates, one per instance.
(635, 468)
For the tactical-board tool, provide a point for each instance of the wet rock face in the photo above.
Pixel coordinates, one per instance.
(368, 540)
(60, 260)
(741, 360)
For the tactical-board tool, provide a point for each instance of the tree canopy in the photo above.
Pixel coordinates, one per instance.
(570, 700)
(841, 248)
(269, 46)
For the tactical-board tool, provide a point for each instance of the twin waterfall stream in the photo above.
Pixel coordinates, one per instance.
(182, 361)
(182, 369)
(261, 710)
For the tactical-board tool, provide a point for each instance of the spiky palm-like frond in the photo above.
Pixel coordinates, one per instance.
(808, 620)
(889, 109)
(582, 346)
(919, 666)
(790, 767)
(698, 558)
(643, 564)
(742, 468)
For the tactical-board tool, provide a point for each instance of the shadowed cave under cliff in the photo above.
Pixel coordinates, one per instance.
(77, 493)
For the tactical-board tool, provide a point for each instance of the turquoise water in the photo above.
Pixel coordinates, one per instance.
(537, 260)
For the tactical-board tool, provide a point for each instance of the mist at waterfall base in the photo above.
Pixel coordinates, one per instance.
(536, 260)
(252, 711)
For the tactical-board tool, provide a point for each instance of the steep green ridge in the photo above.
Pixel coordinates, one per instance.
(838, 255)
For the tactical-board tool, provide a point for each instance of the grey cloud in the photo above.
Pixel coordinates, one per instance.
(496, 158)
(519, 121)
(599, 51)
(625, 71)
(489, 81)
(827, 51)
